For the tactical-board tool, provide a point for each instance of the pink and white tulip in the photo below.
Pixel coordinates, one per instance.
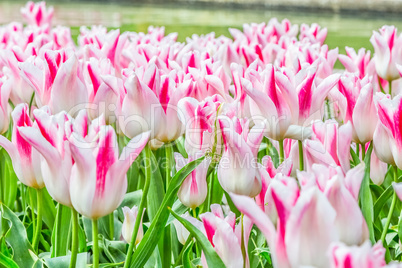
(387, 52)
(24, 157)
(98, 177)
(130, 216)
(194, 189)
(238, 170)
(388, 135)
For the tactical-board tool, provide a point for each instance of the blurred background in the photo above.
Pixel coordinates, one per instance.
(349, 22)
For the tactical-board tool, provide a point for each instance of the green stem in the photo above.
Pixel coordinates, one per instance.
(74, 246)
(31, 100)
(211, 190)
(390, 87)
(301, 159)
(95, 247)
(281, 152)
(168, 151)
(179, 258)
(243, 246)
(35, 240)
(363, 151)
(111, 226)
(391, 210)
(147, 158)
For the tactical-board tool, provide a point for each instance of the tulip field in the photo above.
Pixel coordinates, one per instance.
(126, 149)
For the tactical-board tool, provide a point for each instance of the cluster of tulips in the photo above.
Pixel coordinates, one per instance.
(135, 150)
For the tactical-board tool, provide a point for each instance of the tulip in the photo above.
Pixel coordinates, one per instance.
(388, 136)
(199, 121)
(25, 158)
(128, 224)
(98, 177)
(49, 136)
(102, 96)
(359, 63)
(238, 168)
(57, 80)
(360, 109)
(313, 34)
(224, 235)
(342, 256)
(286, 103)
(302, 237)
(138, 108)
(387, 52)
(99, 43)
(330, 144)
(342, 192)
(37, 14)
(5, 89)
(398, 189)
(194, 189)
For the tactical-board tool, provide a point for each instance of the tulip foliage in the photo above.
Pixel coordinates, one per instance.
(136, 150)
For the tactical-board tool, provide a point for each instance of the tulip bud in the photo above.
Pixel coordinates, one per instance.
(194, 188)
(130, 216)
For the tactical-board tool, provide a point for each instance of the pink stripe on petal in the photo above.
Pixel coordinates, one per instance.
(95, 80)
(305, 95)
(105, 158)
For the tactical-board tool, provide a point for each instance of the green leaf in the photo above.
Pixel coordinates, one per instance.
(384, 197)
(17, 238)
(233, 208)
(131, 199)
(179, 208)
(186, 256)
(115, 251)
(60, 231)
(64, 261)
(156, 192)
(8, 180)
(152, 236)
(213, 259)
(7, 262)
(355, 158)
(365, 197)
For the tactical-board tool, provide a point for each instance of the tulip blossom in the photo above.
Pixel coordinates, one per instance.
(342, 256)
(238, 170)
(25, 158)
(193, 191)
(287, 103)
(130, 215)
(199, 121)
(388, 136)
(302, 237)
(387, 52)
(98, 177)
(102, 96)
(330, 145)
(313, 33)
(359, 63)
(224, 235)
(37, 14)
(138, 107)
(49, 138)
(359, 107)
(5, 89)
(342, 192)
(57, 80)
(49, 135)
(268, 174)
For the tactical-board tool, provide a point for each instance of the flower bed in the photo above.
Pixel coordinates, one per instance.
(135, 150)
